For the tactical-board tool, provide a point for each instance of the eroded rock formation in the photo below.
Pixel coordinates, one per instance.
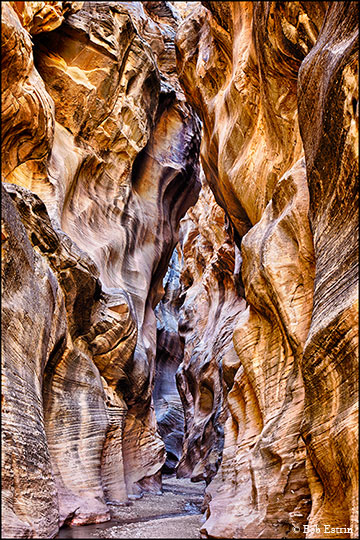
(96, 125)
(211, 303)
(329, 123)
(255, 72)
(33, 315)
(258, 318)
(169, 354)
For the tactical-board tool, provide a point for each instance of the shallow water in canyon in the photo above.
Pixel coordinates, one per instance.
(174, 514)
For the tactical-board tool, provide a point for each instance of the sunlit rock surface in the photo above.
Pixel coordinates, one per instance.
(96, 125)
(279, 150)
(259, 310)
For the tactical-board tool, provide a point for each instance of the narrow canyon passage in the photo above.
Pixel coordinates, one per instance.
(180, 269)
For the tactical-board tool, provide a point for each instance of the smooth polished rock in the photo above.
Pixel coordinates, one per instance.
(100, 161)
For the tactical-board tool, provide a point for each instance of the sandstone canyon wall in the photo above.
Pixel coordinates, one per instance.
(253, 316)
(276, 87)
(211, 302)
(100, 162)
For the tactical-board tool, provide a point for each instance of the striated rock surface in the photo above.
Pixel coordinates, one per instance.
(255, 336)
(96, 125)
(264, 453)
(329, 120)
(291, 406)
(33, 317)
(211, 302)
(74, 396)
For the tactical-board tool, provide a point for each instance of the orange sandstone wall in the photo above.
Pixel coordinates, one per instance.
(100, 162)
(275, 85)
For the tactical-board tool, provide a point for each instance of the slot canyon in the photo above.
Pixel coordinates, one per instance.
(180, 269)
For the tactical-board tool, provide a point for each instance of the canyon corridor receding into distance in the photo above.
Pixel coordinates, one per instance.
(180, 263)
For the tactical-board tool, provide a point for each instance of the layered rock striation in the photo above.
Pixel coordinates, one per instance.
(99, 156)
(275, 86)
(211, 298)
(231, 359)
(329, 124)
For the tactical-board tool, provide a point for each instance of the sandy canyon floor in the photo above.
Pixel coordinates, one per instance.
(174, 514)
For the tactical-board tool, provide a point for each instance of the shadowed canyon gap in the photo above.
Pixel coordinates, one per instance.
(180, 262)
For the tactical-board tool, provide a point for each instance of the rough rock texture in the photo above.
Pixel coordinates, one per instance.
(32, 318)
(328, 117)
(73, 397)
(98, 128)
(211, 302)
(99, 156)
(293, 386)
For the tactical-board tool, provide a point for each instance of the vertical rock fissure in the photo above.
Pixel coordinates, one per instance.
(169, 355)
